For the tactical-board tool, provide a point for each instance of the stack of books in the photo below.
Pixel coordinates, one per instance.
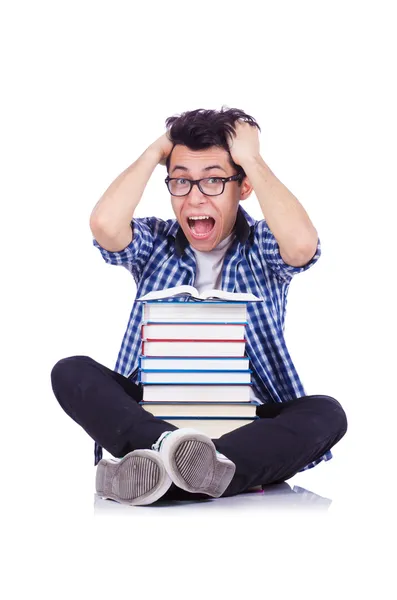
(192, 364)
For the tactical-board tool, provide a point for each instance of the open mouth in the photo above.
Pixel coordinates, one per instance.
(201, 228)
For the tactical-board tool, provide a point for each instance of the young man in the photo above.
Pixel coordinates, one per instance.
(213, 163)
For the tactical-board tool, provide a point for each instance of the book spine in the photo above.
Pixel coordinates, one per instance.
(201, 402)
(197, 328)
(153, 359)
(248, 419)
(201, 384)
(195, 371)
(151, 322)
(178, 341)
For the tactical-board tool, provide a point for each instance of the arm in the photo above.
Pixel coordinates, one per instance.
(286, 217)
(110, 220)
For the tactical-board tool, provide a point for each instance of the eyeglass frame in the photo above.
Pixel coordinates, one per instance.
(197, 182)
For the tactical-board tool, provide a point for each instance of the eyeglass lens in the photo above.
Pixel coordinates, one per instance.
(210, 186)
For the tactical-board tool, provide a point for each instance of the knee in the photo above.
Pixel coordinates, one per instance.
(65, 369)
(334, 416)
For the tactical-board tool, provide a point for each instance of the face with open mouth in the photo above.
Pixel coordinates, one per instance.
(206, 220)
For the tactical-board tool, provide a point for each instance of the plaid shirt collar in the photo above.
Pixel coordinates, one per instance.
(244, 227)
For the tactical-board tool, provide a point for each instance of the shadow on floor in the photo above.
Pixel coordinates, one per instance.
(278, 496)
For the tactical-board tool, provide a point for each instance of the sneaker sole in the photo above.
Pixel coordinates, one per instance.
(139, 478)
(193, 464)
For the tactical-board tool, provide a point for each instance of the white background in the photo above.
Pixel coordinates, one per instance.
(86, 87)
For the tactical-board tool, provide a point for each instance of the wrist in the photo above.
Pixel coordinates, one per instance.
(252, 159)
(153, 154)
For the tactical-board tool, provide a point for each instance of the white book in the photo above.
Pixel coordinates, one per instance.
(242, 410)
(190, 364)
(196, 393)
(188, 312)
(195, 377)
(192, 331)
(206, 295)
(197, 348)
(214, 428)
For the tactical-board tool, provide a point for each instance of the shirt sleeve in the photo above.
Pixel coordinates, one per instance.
(269, 252)
(135, 256)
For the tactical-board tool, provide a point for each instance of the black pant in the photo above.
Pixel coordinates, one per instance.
(271, 449)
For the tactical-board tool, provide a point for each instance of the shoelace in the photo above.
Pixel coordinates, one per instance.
(156, 445)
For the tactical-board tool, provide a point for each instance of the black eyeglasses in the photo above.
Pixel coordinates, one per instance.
(210, 186)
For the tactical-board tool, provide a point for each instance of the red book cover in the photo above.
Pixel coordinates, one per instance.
(190, 325)
(193, 340)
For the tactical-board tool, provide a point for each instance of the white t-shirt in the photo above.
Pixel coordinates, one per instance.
(209, 273)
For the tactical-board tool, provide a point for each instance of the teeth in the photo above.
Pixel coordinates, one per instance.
(198, 218)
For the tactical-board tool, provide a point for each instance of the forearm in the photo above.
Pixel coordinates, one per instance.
(286, 217)
(117, 205)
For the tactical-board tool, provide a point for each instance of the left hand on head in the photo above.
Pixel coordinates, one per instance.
(245, 143)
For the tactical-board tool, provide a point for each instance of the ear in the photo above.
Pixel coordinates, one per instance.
(245, 188)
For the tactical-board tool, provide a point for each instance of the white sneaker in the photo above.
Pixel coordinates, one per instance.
(193, 463)
(138, 478)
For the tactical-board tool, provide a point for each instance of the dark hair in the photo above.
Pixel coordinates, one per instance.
(200, 129)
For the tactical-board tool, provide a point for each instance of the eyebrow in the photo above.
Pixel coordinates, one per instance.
(205, 168)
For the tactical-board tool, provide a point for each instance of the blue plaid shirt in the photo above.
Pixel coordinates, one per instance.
(160, 257)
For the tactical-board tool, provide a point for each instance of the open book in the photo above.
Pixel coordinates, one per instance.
(206, 295)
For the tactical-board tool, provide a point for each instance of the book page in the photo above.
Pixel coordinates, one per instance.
(169, 292)
(192, 291)
(224, 295)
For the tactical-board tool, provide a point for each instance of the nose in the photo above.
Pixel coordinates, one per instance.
(195, 196)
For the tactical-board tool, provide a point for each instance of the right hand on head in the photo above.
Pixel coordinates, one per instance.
(163, 146)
